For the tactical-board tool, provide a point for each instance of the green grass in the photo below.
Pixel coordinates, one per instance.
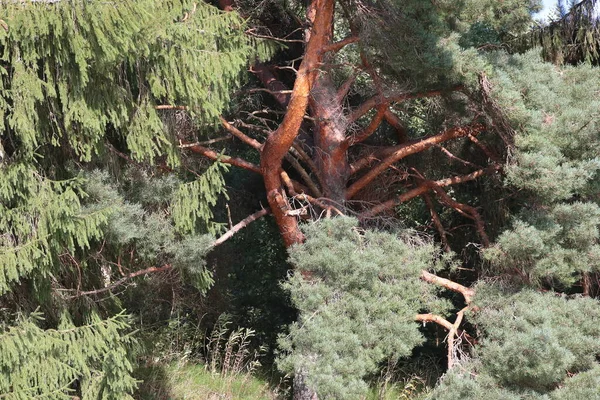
(194, 382)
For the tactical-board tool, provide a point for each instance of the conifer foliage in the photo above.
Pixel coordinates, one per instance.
(83, 84)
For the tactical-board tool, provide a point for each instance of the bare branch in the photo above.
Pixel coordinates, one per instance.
(467, 293)
(241, 135)
(436, 221)
(208, 153)
(240, 225)
(465, 209)
(408, 149)
(423, 188)
(394, 98)
(122, 281)
(370, 129)
(434, 318)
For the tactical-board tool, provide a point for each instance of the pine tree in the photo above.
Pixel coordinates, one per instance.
(423, 100)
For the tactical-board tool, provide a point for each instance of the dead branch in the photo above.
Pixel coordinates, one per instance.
(121, 281)
(408, 149)
(424, 318)
(436, 221)
(466, 292)
(241, 135)
(208, 153)
(423, 188)
(453, 157)
(394, 98)
(240, 225)
(465, 209)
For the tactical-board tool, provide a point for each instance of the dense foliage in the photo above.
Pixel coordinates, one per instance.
(449, 173)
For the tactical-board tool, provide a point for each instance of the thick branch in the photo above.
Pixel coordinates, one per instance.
(444, 323)
(276, 88)
(208, 153)
(240, 225)
(122, 281)
(408, 149)
(467, 293)
(279, 142)
(424, 188)
(395, 123)
(337, 46)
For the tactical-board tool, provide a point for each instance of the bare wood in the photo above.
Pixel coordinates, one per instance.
(434, 318)
(465, 209)
(466, 292)
(394, 98)
(240, 225)
(408, 149)
(170, 107)
(453, 157)
(121, 281)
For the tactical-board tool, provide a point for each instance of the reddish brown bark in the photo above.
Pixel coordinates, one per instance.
(408, 149)
(279, 142)
(213, 155)
(424, 188)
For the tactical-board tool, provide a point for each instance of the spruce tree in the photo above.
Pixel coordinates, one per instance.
(91, 170)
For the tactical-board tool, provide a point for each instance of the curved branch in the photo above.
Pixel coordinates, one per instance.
(465, 209)
(369, 129)
(279, 142)
(424, 188)
(408, 149)
(466, 292)
(444, 323)
(395, 98)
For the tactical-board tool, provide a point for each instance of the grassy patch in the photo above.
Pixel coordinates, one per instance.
(193, 381)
